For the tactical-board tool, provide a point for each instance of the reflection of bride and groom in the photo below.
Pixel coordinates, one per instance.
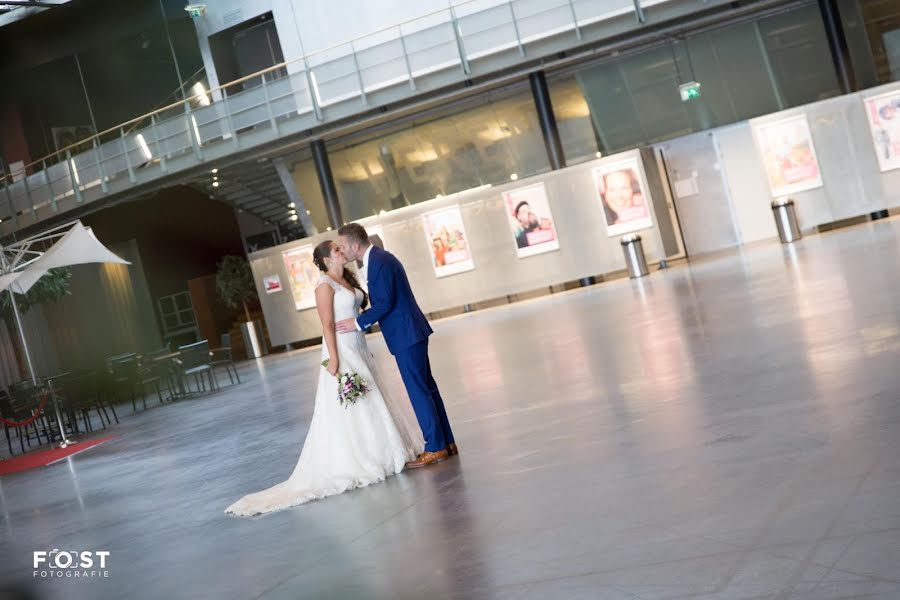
(363, 443)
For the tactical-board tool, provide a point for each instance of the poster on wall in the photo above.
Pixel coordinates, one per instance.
(302, 276)
(883, 112)
(625, 203)
(272, 284)
(530, 220)
(447, 242)
(789, 156)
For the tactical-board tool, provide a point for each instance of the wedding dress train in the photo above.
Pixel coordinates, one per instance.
(345, 448)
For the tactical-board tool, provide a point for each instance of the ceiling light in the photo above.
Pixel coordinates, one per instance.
(214, 171)
(293, 217)
(200, 93)
(291, 205)
(142, 144)
(514, 176)
(196, 131)
(74, 171)
(215, 184)
(599, 155)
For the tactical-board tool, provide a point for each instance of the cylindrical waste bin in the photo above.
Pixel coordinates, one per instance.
(786, 220)
(254, 339)
(634, 256)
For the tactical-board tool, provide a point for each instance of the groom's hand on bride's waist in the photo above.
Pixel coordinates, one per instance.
(347, 326)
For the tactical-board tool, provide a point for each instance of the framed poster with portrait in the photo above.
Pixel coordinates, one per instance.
(788, 155)
(883, 114)
(623, 197)
(530, 220)
(302, 275)
(448, 244)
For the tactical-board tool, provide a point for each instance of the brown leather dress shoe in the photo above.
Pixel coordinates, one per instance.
(427, 458)
(452, 450)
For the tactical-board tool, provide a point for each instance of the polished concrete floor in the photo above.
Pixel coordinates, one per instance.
(728, 429)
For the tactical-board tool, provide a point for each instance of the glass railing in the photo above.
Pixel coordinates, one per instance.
(427, 53)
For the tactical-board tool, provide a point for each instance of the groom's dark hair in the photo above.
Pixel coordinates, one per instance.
(355, 233)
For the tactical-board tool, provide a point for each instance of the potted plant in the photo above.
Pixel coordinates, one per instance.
(51, 287)
(235, 286)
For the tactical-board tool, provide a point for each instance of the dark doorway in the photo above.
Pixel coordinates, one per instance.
(245, 49)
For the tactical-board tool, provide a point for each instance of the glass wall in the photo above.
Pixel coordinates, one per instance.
(745, 70)
(489, 141)
(304, 172)
(872, 28)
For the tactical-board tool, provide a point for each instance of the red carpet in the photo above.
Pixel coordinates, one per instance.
(40, 458)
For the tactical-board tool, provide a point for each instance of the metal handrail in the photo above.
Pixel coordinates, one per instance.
(223, 87)
(81, 171)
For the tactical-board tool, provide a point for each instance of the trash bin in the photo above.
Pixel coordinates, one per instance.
(634, 256)
(254, 339)
(786, 220)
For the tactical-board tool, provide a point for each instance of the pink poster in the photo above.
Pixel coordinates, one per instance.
(447, 242)
(788, 155)
(302, 276)
(883, 112)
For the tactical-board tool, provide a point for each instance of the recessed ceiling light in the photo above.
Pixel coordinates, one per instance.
(214, 171)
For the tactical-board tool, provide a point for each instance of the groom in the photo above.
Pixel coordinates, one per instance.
(406, 332)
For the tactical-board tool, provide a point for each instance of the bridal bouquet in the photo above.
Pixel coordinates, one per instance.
(351, 387)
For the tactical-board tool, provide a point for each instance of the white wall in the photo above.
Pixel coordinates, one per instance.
(585, 249)
(853, 185)
(318, 25)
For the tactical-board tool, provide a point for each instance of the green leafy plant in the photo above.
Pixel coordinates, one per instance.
(53, 286)
(234, 283)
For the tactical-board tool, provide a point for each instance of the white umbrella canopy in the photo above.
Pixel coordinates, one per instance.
(24, 262)
(77, 246)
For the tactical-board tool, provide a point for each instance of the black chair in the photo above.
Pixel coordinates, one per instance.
(20, 407)
(195, 361)
(221, 357)
(127, 374)
(16, 413)
(78, 394)
(153, 363)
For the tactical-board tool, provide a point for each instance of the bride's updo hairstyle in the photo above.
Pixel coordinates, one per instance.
(323, 251)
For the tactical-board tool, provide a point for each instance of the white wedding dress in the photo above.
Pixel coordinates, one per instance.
(350, 447)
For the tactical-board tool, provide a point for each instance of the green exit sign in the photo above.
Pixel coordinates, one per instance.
(689, 91)
(195, 10)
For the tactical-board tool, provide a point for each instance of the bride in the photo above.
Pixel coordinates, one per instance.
(350, 447)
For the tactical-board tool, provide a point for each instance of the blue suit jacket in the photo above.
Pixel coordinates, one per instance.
(393, 304)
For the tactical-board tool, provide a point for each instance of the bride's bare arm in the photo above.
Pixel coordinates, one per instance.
(325, 306)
